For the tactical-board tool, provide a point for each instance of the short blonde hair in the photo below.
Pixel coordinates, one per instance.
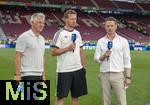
(69, 12)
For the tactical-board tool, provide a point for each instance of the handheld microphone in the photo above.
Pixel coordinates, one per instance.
(73, 38)
(109, 46)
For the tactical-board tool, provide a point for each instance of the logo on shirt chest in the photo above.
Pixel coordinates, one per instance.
(66, 41)
(65, 36)
(68, 38)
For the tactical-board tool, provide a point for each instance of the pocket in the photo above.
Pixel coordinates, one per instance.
(122, 76)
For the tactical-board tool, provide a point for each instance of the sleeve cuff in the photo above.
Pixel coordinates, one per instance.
(127, 66)
(19, 50)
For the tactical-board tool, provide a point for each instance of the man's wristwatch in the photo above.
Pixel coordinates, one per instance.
(128, 78)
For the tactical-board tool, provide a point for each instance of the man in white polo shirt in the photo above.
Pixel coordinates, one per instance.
(113, 53)
(30, 48)
(70, 61)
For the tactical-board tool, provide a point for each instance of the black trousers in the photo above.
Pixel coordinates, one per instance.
(31, 78)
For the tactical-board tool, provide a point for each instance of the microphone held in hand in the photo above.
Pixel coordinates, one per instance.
(109, 46)
(73, 38)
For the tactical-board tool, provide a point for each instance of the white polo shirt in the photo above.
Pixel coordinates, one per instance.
(69, 61)
(32, 49)
(119, 58)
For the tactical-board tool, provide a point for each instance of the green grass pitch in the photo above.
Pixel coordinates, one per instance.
(137, 94)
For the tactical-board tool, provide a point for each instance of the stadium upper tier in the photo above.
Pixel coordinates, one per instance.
(92, 3)
(90, 26)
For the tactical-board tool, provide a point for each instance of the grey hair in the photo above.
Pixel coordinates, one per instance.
(35, 15)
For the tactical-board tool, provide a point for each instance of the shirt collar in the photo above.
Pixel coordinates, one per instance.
(116, 36)
(32, 33)
(68, 30)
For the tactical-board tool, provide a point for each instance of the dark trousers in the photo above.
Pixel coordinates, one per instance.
(31, 78)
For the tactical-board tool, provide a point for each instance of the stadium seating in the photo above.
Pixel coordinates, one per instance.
(105, 4)
(141, 23)
(146, 7)
(73, 2)
(127, 5)
(90, 25)
(89, 3)
(26, 1)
